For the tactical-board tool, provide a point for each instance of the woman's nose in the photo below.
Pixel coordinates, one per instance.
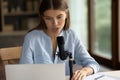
(55, 22)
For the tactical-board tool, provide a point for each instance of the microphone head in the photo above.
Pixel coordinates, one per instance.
(62, 52)
(60, 40)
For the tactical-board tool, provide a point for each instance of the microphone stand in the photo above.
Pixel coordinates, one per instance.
(63, 56)
(71, 65)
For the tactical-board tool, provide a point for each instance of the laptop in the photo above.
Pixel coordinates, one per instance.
(35, 71)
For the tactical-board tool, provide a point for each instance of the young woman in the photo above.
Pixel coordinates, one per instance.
(40, 44)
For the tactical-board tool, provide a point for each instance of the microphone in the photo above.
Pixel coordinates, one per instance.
(62, 53)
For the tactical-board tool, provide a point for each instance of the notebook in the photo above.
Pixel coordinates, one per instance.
(35, 72)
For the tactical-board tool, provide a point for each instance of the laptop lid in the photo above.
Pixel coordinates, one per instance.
(35, 72)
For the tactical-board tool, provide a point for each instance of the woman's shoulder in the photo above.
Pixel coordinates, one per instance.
(34, 33)
(71, 33)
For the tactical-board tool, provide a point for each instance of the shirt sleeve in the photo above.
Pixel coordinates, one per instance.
(82, 57)
(27, 52)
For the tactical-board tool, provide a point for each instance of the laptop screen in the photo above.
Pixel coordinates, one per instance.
(35, 72)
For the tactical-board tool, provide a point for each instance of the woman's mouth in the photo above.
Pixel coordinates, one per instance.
(55, 30)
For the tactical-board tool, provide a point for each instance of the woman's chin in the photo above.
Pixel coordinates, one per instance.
(56, 33)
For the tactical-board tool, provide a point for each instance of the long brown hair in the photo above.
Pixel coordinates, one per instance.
(56, 5)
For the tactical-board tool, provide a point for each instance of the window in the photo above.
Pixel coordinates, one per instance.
(96, 23)
(104, 40)
(103, 28)
(100, 30)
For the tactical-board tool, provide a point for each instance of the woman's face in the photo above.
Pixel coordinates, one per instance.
(55, 21)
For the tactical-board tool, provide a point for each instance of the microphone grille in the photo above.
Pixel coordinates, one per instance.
(60, 40)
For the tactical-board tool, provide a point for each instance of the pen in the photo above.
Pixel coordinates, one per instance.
(99, 77)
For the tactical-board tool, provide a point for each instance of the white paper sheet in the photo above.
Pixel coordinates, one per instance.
(101, 77)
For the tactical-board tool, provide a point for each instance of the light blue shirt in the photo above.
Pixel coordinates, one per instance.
(37, 49)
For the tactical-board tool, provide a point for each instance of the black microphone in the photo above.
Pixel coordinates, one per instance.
(62, 53)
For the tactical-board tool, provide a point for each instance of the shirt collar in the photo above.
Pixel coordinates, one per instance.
(61, 34)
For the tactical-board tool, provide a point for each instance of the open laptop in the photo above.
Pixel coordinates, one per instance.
(35, 72)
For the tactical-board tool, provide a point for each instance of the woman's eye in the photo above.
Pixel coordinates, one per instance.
(47, 18)
(59, 17)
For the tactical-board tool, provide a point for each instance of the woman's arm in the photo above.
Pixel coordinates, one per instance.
(83, 58)
(26, 54)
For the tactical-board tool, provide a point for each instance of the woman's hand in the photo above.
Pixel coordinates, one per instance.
(81, 74)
